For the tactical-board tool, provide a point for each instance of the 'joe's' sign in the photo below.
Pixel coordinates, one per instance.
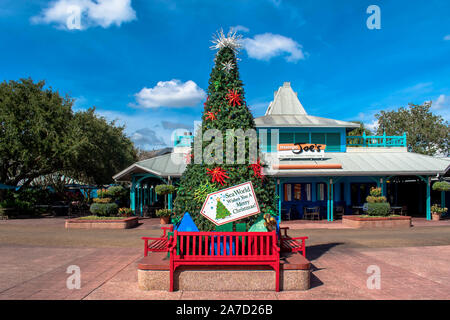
(301, 150)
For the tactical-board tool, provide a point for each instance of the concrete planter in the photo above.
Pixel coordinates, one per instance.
(359, 222)
(435, 216)
(164, 220)
(124, 223)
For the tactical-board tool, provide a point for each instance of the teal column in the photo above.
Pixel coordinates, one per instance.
(383, 187)
(428, 198)
(169, 200)
(442, 199)
(141, 198)
(132, 195)
(279, 201)
(330, 200)
(137, 196)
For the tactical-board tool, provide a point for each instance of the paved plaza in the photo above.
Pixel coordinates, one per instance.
(35, 254)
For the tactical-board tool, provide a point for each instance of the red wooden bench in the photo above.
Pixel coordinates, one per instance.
(224, 248)
(292, 244)
(160, 244)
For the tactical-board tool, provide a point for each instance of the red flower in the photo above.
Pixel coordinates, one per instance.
(211, 116)
(234, 97)
(257, 169)
(217, 174)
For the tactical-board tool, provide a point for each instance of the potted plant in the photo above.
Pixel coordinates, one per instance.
(437, 211)
(125, 212)
(164, 190)
(376, 203)
(164, 215)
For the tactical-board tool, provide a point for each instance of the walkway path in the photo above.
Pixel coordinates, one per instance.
(35, 268)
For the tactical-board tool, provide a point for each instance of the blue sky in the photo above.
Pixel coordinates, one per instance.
(146, 63)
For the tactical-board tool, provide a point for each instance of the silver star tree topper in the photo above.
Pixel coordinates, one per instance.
(227, 66)
(231, 40)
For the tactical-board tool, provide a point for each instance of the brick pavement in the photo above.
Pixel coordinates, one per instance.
(338, 273)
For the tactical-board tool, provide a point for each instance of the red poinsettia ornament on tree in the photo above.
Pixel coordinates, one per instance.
(257, 169)
(211, 115)
(234, 98)
(217, 174)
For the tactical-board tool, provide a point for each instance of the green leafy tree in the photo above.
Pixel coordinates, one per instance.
(426, 133)
(99, 148)
(359, 131)
(41, 137)
(34, 139)
(224, 109)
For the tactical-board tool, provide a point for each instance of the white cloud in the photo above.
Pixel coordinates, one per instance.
(173, 93)
(146, 138)
(447, 37)
(372, 126)
(239, 28)
(90, 13)
(441, 106)
(266, 46)
(441, 102)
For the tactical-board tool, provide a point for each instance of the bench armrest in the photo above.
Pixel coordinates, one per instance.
(297, 238)
(165, 229)
(152, 238)
(285, 229)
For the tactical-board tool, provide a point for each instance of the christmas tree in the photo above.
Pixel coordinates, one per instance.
(221, 210)
(225, 108)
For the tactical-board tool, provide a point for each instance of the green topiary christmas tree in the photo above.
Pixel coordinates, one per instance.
(221, 210)
(225, 109)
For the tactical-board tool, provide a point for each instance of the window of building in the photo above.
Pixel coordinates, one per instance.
(287, 192)
(321, 189)
(318, 138)
(333, 142)
(286, 137)
(301, 137)
(308, 192)
(297, 191)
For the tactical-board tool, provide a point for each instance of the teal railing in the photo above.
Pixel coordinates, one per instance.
(376, 141)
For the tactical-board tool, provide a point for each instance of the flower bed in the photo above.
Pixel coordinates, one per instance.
(365, 222)
(93, 222)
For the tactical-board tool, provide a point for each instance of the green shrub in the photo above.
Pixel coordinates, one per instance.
(164, 189)
(378, 209)
(102, 200)
(441, 186)
(104, 209)
(372, 199)
(102, 193)
(117, 192)
(163, 213)
(435, 208)
(125, 212)
(375, 192)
